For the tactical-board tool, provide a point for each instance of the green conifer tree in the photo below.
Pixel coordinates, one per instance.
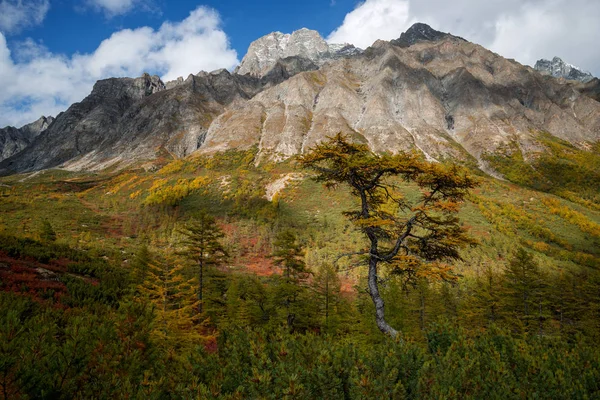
(485, 307)
(173, 295)
(202, 239)
(327, 287)
(523, 291)
(289, 256)
(141, 264)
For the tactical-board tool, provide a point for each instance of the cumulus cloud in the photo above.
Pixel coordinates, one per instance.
(37, 82)
(113, 8)
(372, 20)
(16, 15)
(526, 30)
(553, 28)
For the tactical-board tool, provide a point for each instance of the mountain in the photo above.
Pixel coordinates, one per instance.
(264, 53)
(127, 120)
(438, 93)
(432, 91)
(420, 32)
(13, 140)
(560, 69)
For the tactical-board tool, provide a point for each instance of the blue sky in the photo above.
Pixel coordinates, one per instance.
(72, 26)
(53, 51)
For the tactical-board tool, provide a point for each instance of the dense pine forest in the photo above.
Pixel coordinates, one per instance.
(218, 277)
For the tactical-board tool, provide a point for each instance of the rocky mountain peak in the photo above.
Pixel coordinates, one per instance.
(35, 128)
(419, 32)
(432, 91)
(150, 84)
(13, 140)
(560, 69)
(134, 88)
(264, 53)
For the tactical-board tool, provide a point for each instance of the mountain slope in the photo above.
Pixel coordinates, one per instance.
(428, 90)
(445, 96)
(128, 120)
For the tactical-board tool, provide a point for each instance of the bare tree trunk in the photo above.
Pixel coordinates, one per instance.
(372, 278)
(378, 301)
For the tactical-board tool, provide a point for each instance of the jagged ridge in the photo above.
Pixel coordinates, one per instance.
(13, 140)
(430, 90)
(264, 53)
(560, 69)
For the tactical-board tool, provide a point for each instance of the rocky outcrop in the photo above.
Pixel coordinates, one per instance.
(590, 89)
(430, 91)
(420, 32)
(32, 130)
(445, 96)
(264, 53)
(13, 140)
(560, 69)
(126, 120)
(85, 125)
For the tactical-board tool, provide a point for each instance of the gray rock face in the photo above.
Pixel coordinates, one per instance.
(590, 89)
(445, 96)
(264, 53)
(420, 32)
(560, 69)
(440, 94)
(32, 130)
(13, 140)
(85, 125)
(343, 50)
(173, 83)
(126, 120)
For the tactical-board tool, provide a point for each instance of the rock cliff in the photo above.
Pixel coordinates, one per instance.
(560, 69)
(427, 90)
(307, 44)
(13, 140)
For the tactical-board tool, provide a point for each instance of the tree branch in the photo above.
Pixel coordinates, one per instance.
(392, 253)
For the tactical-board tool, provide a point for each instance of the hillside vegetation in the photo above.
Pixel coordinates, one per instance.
(99, 288)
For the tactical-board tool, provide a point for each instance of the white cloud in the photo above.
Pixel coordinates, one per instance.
(569, 30)
(372, 20)
(37, 82)
(116, 7)
(526, 30)
(16, 15)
